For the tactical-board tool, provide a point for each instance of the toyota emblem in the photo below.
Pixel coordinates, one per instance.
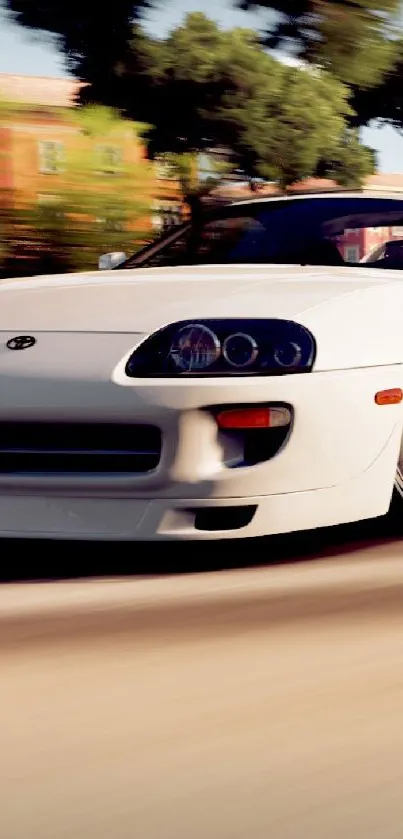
(21, 342)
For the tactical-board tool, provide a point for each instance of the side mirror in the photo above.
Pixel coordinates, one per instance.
(111, 260)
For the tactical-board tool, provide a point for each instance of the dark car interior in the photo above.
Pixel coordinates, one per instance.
(360, 231)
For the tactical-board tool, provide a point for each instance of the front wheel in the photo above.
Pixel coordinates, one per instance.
(398, 488)
(399, 481)
(395, 514)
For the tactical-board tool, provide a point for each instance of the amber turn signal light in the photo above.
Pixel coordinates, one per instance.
(393, 396)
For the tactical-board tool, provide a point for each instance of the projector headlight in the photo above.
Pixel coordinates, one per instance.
(233, 347)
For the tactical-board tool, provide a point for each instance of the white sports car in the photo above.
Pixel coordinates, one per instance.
(235, 379)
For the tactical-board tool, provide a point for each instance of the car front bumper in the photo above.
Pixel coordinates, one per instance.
(124, 519)
(338, 464)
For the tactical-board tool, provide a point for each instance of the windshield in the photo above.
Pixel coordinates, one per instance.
(311, 231)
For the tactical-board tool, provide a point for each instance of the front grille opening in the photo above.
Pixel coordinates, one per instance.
(28, 448)
(224, 518)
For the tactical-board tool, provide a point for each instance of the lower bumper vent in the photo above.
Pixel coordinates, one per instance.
(224, 518)
(78, 448)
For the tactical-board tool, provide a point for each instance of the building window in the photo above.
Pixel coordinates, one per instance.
(352, 254)
(109, 159)
(50, 157)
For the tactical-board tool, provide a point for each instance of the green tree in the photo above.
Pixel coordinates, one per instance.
(206, 87)
(92, 37)
(351, 164)
(385, 101)
(355, 40)
(202, 88)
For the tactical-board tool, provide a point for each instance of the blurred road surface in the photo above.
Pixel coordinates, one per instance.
(264, 703)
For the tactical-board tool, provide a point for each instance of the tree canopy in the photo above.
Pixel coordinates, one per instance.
(203, 87)
(93, 37)
(355, 40)
(385, 101)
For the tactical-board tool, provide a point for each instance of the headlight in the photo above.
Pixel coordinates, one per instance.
(231, 347)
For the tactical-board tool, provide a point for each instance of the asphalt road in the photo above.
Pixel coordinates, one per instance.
(264, 702)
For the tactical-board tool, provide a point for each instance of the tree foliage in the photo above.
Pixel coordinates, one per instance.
(203, 87)
(355, 40)
(352, 163)
(385, 101)
(93, 37)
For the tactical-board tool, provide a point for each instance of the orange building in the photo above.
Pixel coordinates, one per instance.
(36, 134)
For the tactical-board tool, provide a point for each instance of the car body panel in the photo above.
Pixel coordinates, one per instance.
(143, 300)
(367, 302)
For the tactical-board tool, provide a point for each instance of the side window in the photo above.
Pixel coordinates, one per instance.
(231, 240)
(225, 240)
(173, 254)
(50, 157)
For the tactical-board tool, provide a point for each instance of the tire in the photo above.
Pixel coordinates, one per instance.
(395, 514)
(398, 490)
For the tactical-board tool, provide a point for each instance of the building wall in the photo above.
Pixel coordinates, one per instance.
(39, 116)
(35, 136)
(356, 244)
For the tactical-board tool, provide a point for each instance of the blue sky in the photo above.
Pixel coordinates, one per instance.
(22, 52)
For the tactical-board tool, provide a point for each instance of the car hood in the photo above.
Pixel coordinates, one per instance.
(141, 301)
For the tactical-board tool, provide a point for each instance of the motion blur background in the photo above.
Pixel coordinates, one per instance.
(115, 121)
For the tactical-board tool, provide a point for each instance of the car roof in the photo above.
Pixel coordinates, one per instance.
(304, 196)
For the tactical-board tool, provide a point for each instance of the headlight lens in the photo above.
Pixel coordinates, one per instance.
(240, 350)
(194, 348)
(231, 347)
(288, 354)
